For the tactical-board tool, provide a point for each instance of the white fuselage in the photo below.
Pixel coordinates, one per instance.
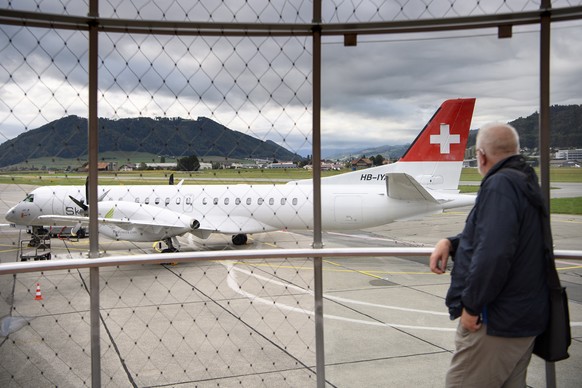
(239, 208)
(355, 200)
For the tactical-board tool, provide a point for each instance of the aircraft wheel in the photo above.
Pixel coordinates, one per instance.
(239, 239)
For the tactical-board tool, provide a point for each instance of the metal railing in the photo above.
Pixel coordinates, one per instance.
(247, 254)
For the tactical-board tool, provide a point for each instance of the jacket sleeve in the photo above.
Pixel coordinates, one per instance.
(454, 244)
(495, 243)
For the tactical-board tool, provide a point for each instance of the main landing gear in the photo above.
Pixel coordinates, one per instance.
(169, 241)
(239, 239)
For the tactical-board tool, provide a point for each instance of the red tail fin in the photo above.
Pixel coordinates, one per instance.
(445, 136)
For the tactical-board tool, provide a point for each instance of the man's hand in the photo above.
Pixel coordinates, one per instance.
(440, 256)
(470, 322)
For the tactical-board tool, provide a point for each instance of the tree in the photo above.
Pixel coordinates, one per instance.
(305, 162)
(189, 163)
(378, 160)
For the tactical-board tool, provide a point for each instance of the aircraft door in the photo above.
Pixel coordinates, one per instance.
(348, 210)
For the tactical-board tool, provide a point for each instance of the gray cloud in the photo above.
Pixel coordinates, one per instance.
(392, 87)
(380, 92)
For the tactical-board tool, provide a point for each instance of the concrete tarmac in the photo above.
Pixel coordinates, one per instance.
(251, 324)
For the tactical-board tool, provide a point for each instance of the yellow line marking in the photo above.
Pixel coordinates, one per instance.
(367, 273)
(10, 250)
(573, 267)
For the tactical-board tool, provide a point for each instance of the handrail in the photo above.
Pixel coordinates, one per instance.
(174, 27)
(247, 254)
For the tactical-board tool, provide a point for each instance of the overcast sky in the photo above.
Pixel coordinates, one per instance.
(380, 92)
(403, 79)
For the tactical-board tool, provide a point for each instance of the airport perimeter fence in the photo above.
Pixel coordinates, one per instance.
(186, 74)
(244, 318)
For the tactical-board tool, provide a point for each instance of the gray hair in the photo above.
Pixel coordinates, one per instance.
(498, 140)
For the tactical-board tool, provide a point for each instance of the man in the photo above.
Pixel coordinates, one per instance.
(498, 281)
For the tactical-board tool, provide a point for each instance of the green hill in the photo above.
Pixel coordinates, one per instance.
(66, 138)
(565, 128)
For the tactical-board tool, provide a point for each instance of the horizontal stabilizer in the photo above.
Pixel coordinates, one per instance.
(403, 187)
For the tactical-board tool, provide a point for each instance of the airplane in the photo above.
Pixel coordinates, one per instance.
(424, 181)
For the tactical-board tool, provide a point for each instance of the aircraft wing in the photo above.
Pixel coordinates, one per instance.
(402, 186)
(121, 223)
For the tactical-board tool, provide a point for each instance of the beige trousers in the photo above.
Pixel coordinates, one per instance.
(482, 360)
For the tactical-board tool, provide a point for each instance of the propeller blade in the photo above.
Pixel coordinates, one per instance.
(87, 190)
(171, 181)
(102, 196)
(79, 203)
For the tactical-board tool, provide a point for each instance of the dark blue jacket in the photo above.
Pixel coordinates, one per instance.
(499, 259)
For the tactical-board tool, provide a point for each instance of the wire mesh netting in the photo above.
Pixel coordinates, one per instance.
(250, 324)
(196, 131)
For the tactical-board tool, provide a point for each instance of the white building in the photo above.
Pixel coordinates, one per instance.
(282, 165)
(569, 154)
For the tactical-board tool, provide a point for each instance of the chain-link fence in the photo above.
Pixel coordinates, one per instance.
(199, 323)
(194, 96)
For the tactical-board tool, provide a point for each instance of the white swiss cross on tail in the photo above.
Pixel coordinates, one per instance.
(445, 136)
(445, 139)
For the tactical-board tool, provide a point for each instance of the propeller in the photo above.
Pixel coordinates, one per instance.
(171, 180)
(85, 206)
(79, 203)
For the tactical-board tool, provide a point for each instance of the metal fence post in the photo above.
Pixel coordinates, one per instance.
(544, 131)
(91, 191)
(316, 163)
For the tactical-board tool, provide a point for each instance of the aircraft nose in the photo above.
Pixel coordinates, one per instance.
(11, 215)
(18, 215)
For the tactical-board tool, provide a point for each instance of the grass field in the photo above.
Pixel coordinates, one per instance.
(557, 205)
(557, 174)
(44, 178)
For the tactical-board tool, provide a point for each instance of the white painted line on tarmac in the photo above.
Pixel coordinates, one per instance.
(236, 287)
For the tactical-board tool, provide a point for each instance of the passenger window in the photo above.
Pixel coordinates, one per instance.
(271, 201)
(157, 201)
(178, 200)
(260, 201)
(215, 201)
(147, 201)
(249, 201)
(137, 200)
(167, 201)
(204, 201)
(283, 201)
(188, 200)
(294, 201)
(226, 201)
(237, 201)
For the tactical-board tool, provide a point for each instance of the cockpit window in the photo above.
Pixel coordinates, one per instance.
(29, 198)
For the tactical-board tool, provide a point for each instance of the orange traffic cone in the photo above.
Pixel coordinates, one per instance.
(38, 294)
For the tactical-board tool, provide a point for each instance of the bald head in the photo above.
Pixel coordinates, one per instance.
(495, 141)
